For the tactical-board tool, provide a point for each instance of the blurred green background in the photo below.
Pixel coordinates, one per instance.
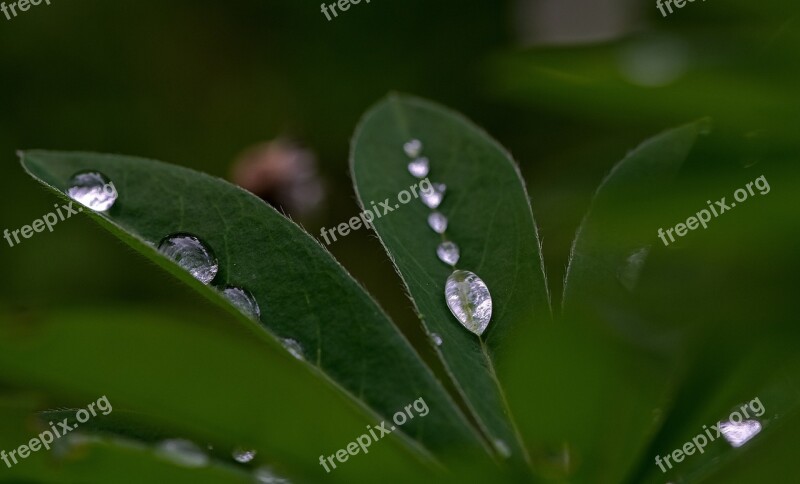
(569, 87)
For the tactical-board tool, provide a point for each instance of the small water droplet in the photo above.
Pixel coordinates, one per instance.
(413, 148)
(469, 300)
(433, 198)
(265, 475)
(92, 189)
(737, 434)
(191, 254)
(243, 456)
(502, 448)
(629, 274)
(437, 340)
(448, 253)
(438, 222)
(243, 300)
(419, 167)
(294, 348)
(182, 452)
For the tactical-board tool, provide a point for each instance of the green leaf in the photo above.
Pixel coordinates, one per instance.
(304, 294)
(605, 259)
(626, 368)
(204, 381)
(490, 219)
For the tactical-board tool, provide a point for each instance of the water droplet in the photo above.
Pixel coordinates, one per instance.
(294, 348)
(419, 167)
(191, 254)
(92, 189)
(437, 222)
(182, 452)
(413, 148)
(243, 300)
(437, 340)
(433, 197)
(629, 274)
(448, 253)
(737, 434)
(469, 300)
(265, 475)
(243, 456)
(502, 448)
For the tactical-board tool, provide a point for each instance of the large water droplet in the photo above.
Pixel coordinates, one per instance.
(448, 253)
(433, 197)
(182, 452)
(413, 148)
(294, 348)
(737, 434)
(469, 300)
(419, 167)
(437, 340)
(438, 222)
(92, 189)
(243, 456)
(265, 475)
(191, 254)
(243, 300)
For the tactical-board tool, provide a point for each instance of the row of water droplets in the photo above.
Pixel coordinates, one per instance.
(466, 294)
(181, 452)
(188, 454)
(89, 188)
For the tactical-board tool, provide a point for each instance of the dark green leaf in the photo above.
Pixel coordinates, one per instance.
(303, 293)
(490, 219)
(205, 382)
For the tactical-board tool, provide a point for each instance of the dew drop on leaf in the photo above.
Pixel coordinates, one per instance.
(502, 448)
(265, 475)
(448, 253)
(437, 340)
(92, 189)
(294, 348)
(419, 167)
(437, 222)
(433, 198)
(737, 434)
(182, 452)
(191, 254)
(243, 300)
(243, 456)
(469, 300)
(629, 273)
(413, 148)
